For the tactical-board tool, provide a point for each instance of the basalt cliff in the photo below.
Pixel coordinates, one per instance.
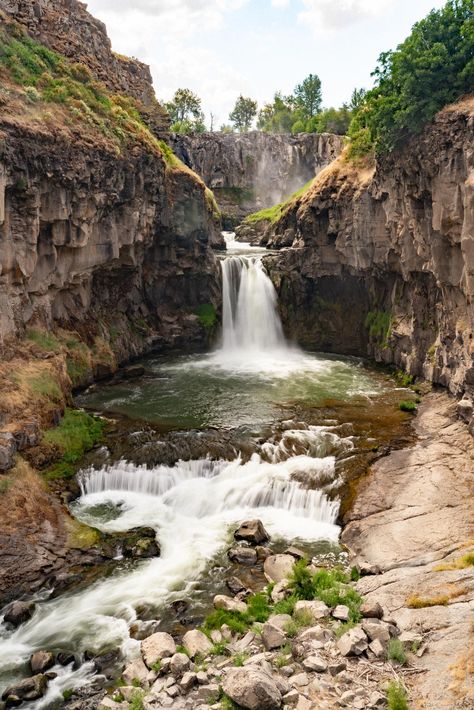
(252, 171)
(379, 261)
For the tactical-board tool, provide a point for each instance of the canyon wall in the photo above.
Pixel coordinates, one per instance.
(66, 27)
(251, 171)
(382, 259)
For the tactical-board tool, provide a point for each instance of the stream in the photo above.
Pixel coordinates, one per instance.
(268, 431)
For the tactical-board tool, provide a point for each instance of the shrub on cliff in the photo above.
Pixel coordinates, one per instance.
(433, 67)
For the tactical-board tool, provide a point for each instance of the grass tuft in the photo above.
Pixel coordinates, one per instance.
(396, 697)
(416, 602)
(461, 563)
(396, 652)
(407, 405)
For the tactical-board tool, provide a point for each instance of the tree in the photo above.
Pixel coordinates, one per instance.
(277, 117)
(308, 96)
(433, 67)
(185, 112)
(243, 113)
(357, 99)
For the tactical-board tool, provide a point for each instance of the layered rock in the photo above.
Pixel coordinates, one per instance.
(66, 27)
(382, 259)
(251, 171)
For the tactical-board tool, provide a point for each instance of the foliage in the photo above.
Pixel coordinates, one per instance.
(219, 649)
(308, 97)
(136, 702)
(404, 379)
(48, 77)
(243, 113)
(330, 586)
(396, 697)
(77, 433)
(433, 67)
(278, 116)
(407, 405)
(67, 693)
(258, 607)
(185, 112)
(235, 620)
(207, 315)
(396, 651)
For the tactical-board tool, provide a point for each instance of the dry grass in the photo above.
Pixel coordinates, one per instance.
(461, 563)
(26, 501)
(442, 599)
(462, 673)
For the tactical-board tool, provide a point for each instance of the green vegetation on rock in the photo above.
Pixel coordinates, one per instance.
(379, 324)
(407, 405)
(397, 697)
(396, 651)
(273, 214)
(207, 315)
(77, 433)
(433, 67)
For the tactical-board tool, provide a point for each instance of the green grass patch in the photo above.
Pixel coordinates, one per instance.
(330, 586)
(46, 341)
(77, 433)
(240, 658)
(136, 702)
(207, 315)
(396, 697)
(44, 385)
(273, 214)
(403, 378)
(5, 484)
(407, 405)
(396, 652)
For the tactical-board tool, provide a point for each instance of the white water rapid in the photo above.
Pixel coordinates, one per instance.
(194, 506)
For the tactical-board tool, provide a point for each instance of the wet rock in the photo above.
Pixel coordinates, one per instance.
(41, 661)
(19, 612)
(252, 689)
(156, 647)
(29, 689)
(180, 606)
(278, 567)
(64, 658)
(295, 552)
(353, 642)
(341, 612)
(315, 610)
(196, 642)
(229, 604)
(243, 555)
(235, 585)
(140, 630)
(252, 531)
(132, 372)
(107, 663)
(135, 671)
(140, 543)
(262, 552)
(371, 610)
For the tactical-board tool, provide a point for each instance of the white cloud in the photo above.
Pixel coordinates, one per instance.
(280, 3)
(335, 14)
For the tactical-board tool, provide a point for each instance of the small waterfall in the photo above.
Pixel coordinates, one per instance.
(250, 315)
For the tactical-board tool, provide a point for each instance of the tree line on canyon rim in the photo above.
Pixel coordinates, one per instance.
(433, 67)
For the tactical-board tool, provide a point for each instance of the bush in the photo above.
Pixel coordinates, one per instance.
(396, 651)
(433, 67)
(407, 405)
(396, 697)
(77, 433)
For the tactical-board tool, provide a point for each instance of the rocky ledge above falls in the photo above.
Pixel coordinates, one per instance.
(382, 258)
(251, 171)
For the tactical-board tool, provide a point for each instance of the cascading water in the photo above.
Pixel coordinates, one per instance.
(194, 505)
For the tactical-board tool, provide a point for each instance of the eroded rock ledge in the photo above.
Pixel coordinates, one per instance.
(382, 260)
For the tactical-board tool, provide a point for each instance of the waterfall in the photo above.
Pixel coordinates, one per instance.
(250, 316)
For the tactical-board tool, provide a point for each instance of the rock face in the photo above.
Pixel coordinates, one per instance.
(383, 259)
(251, 171)
(66, 27)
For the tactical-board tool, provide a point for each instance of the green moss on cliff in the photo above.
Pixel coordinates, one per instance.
(273, 214)
(77, 433)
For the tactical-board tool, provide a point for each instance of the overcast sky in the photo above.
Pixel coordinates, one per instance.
(221, 48)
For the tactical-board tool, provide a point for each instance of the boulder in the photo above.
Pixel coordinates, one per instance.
(179, 664)
(280, 591)
(315, 610)
(135, 671)
(272, 636)
(7, 451)
(376, 629)
(262, 552)
(252, 531)
(19, 612)
(41, 661)
(235, 585)
(278, 567)
(196, 642)
(29, 689)
(243, 555)
(65, 658)
(188, 681)
(353, 642)
(228, 604)
(341, 612)
(252, 689)
(465, 409)
(295, 552)
(371, 610)
(156, 647)
(315, 663)
(377, 648)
